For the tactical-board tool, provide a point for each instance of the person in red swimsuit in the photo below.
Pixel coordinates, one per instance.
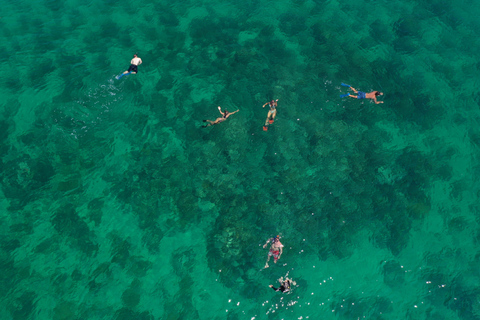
(276, 249)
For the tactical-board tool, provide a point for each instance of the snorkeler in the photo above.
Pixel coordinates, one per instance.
(276, 249)
(362, 95)
(271, 113)
(225, 115)
(134, 63)
(285, 286)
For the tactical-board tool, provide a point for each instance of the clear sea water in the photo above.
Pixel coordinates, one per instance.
(116, 204)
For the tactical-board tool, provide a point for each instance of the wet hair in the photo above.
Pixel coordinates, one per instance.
(272, 102)
(225, 112)
(377, 93)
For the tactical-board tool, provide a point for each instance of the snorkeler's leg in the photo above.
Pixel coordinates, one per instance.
(352, 96)
(209, 124)
(268, 117)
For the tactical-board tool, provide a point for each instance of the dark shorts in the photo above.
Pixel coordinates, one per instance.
(361, 95)
(133, 68)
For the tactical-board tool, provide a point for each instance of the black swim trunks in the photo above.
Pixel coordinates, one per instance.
(133, 68)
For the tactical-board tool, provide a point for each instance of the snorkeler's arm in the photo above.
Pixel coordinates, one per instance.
(220, 109)
(228, 115)
(264, 105)
(268, 241)
(376, 102)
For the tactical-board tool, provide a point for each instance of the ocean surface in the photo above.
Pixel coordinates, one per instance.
(115, 203)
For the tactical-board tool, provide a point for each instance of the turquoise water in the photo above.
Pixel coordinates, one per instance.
(116, 204)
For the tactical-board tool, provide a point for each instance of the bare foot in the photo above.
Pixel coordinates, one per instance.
(266, 266)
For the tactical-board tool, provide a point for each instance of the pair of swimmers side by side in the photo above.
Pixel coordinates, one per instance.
(272, 113)
(362, 95)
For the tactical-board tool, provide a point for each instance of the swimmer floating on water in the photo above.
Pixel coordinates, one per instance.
(286, 285)
(362, 95)
(276, 249)
(225, 115)
(134, 63)
(271, 113)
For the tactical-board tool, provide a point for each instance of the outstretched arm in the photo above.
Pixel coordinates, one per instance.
(376, 102)
(228, 115)
(220, 109)
(268, 241)
(264, 105)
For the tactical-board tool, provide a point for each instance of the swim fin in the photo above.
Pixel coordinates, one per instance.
(345, 85)
(344, 95)
(123, 74)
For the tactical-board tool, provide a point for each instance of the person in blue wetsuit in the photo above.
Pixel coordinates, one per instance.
(363, 95)
(225, 115)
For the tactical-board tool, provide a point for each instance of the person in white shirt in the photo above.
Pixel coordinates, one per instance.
(134, 63)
